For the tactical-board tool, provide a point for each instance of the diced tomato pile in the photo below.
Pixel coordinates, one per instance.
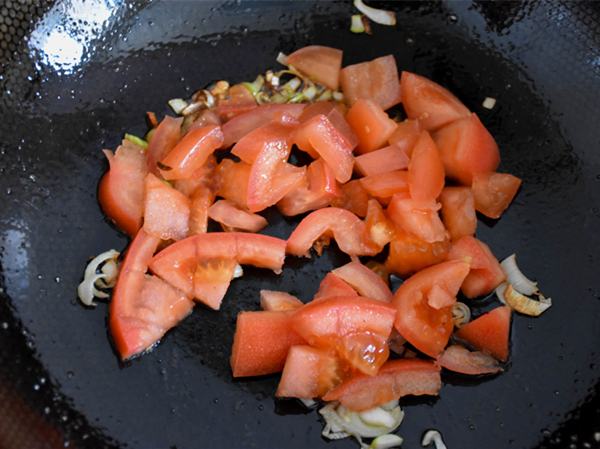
(376, 182)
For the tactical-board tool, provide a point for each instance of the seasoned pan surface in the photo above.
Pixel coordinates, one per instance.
(85, 76)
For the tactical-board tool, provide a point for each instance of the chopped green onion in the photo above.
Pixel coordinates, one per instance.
(387, 441)
(178, 105)
(293, 85)
(433, 436)
(279, 98)
(297, 98)
(325, 95)
(310, 92)
(149, 134)
(282, 58)
(357, 24)
(137, 141)
(250, 87)
(167, 183)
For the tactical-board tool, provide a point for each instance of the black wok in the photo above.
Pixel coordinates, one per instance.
(86, 74)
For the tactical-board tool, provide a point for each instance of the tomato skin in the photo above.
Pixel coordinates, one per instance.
(271, 180)
(395, 379)
(466, 147)
(200, 203)
(364, 281)
(458, 211)
(459, 359)
(419, 219)
(166, 210)
(486, 273)
(493, 192)
(429, 102)
(375, 80)
(371, 125)
(428, 328)
(354, 198)
(278, 301)
(121, 189)
(203, 176)
(232, 179)
(332, 285)
(261, 343)
(240, 101)
(319, 63)
(379, 230)
(274, 133)
(387, 184)
(208, 117)
(164, 138)
(233, 219)
(381, 161)
(425, 170)
(191, 152)
(490, 332)
(143, 307)
(406, 135)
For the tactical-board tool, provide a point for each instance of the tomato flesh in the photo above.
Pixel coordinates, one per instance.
(459, 359)
(489, 332)
(233, 219)
(425, 170)
(380, 161)
(321, 64)
(278, 301)
(201, 201)
(458, 211)
(387, 184)
(164, 138)
(166, 210)
(364, 281)
(232, 180)
(419, 219)
(354, 198)
(406, 135)
(332, 285)
(493, 192)
(371, 125)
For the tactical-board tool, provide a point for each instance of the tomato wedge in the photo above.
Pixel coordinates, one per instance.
(364, 281)
(489, 332)
(271, 134)
(232, 180)
(240, 101)
(493, 192)
(201, 201)
(406, 135)
(143, 307)
(332, 285)
(458, 211)
(425, 171)
(387, 184)
(384, 160)
(371, 125)
(166, 210)
(203, 176)
(321, 64)
(164, 138)
(395, 379)
(419, 219)
(233, 219)
(354, 198)
(459, 359)
(278, 301)
(379, 230)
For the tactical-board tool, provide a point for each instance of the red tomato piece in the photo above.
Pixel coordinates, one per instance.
(486, 273)
(244, 124)
(395, 379)
(335, 113)
(493, 192)
(261, 343)
(201, 201)
(271, 179)
(143, 307)
(458, 212)
(345, 227)
(338, 120)
(385, 185)
(406, 135)
(489, 332)
(371, 125)
(425, 171)
(379, 230)
(332, 285)
(466, 148)
(191, 152)
(166, 210)
(356, 328)
(278, 301)
(317, 189)
(271, 134)
(121, 189)
(204, 176)
(354, 198)
(381, 161)
(429, 102)
(459, 359)
(164, 138)
(375, 80)
(364, 281)
(419, 219)
(319, 137)
(428, 328)
(233, 219)
(232, 179)
(208, 117)
(240, 101)
(321, 64)
(211, 279)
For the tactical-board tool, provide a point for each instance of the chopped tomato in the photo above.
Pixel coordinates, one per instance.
(240, 101)
(385, 185)
(379, 230)
(191, 152)
(380, 161)
(317, 189)
(429, 102)
(458, 211)
(121, 190)
(364, 281)
(345, 227)
(376, 80)
(308, 373)
(164, 138)
(261, 343)
(232, 179)
(486, 273)
(428, 328)
(320, 108)
(203, 176)
(271, 179)
(321, 64)
(459, 359)
(489, 332)
(425, 171)
(208, 117)
(166, 210)
(493, 192)
(418, 218)
(356, 328)
(319, 137)
(332, 285)
(211, 279)
(233, 219)
(201, 201)
(406, 135)
(143, 307)
(244, 124)
(395, 379)
(466, 148)
(278, 301)
(271, 134)
(371, 125)
(354, 198)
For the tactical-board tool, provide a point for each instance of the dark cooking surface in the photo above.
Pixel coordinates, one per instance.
(59, 108)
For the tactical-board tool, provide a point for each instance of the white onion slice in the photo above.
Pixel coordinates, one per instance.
(379, 16)
(489, 103)
(516, 278)
(282, 59)
(433, 436)
(461, 314)
(238, 272)
(178, 105)
(525, 305)
(308, 403)
(356, 26)
(387, 441)
(105, 279)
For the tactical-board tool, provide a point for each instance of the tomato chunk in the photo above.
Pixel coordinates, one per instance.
(232, 179)
(354, 198)
(458, 211)
(429, 102)
(201, 201)
(380, 161)
(273, 134)
(379, 230)
(233, 219)
(166, 210)
(466, 148)
(332, 285)
(371, 125)
(240, 101)
(493, 192)
(143, 307)
(203, 176)
(395, 379)
(387, 184)
(261, 343)
(121, 189)
(406, 135)
(459, 359)
(164, 138)
(425, 171)
(278, 301)
(364, 281)
(428, 327)
(419, 219)
(321, 64)
(489, 332)
(375, 80)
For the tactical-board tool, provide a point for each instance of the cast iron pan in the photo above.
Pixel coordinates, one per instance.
(88, 72)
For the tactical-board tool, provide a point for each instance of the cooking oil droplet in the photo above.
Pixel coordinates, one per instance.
(4, 325)
(472, 427)
(453, 18)
(57, 279)
(47, 410)
(36, 387)
(556, 392)
(70, 374)
(261, 407)
(216, 401)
